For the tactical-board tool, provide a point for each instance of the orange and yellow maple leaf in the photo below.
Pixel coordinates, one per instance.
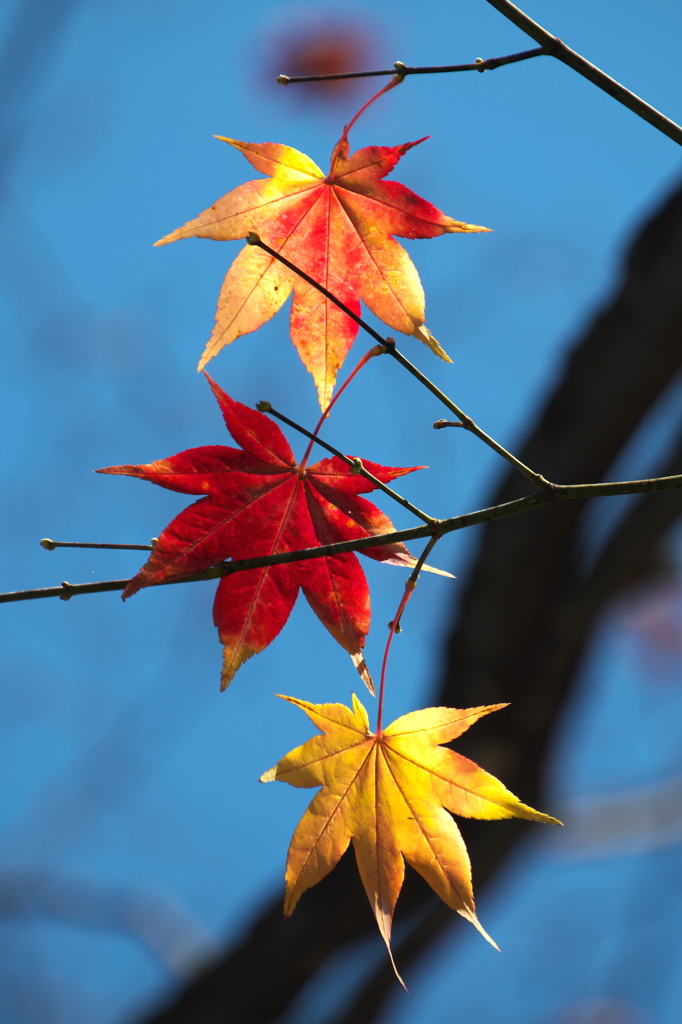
(390, 792)
(337, 228)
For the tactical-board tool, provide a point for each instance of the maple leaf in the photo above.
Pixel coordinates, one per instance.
(337, 228)
(257, 501)
(390, 793)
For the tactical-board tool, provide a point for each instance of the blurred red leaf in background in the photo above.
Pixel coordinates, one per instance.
(303, 41)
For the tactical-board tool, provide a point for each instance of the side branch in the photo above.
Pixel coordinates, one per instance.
(550, 46)
(355, 464)
(68, 590)
(464, 420)
(253, 238)
(50, 545)
(403, 70)
(389, 346)
(437, 528)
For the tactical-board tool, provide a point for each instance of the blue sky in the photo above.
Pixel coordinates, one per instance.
(123, 768)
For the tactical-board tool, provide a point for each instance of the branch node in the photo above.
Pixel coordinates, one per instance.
(400, 68)
(357, 466)
(68, 592)
(282, 79)
(554, 46)
(154, 541)
(547, 485)
(263, 407)
(48, 544)
(253, 238)
(480, 61)
(398, 627)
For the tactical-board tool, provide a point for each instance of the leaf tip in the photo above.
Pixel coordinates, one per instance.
(230, 665)
(269, 776)
(384, 922)
(462, 227)
(363, 671)
(361, 717)
(470, 915)
(424, 335)
(439, 572)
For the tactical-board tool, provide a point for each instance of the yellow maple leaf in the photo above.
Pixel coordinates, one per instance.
(390, 792)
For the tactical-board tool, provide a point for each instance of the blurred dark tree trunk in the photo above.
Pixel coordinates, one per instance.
(529, 609)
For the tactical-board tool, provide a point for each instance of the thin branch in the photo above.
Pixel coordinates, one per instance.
(556, 48)
(550, 46)
(421, 561)
(389, 346)
(438, 528)
(465, 421)
(605, 490)
(253, 238)
(68, 590)
(50, 545)
(402, 69)
(355, 464)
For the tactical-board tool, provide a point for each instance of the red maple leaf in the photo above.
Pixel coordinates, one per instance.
(339, 229)
(257, 501)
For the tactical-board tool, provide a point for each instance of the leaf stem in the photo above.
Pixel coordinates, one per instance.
(355, 464)
(479, 65)
(378, 350)
(398, 77)
(555, 492)
(394, 626)
(556, 48)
